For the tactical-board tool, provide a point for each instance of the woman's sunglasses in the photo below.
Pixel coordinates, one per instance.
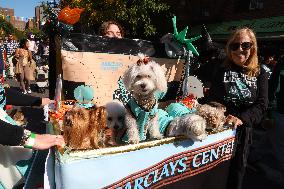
(245, 46)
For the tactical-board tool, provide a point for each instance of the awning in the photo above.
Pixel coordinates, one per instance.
(265, 28)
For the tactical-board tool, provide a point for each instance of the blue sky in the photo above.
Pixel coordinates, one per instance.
(22, 8)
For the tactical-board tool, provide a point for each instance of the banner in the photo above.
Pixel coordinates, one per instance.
(149, 166)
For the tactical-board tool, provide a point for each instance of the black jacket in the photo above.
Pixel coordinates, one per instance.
(11, 134)
(244, 97)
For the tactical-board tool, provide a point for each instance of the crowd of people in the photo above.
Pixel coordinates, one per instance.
(240, 81)
(19, 58)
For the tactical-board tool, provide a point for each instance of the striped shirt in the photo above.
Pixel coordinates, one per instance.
(11, 47)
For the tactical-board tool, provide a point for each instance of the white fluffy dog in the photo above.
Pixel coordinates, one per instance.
(115, 115)
(144, 79)
(115, 121)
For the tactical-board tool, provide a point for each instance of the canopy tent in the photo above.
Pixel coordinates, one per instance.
(265, 28)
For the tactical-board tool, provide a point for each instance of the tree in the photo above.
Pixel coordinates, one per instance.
(6, 27)
(138, 16)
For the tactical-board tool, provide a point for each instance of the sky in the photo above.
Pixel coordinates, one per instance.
(22, 8)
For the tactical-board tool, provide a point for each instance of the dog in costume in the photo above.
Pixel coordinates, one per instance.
(143, 120)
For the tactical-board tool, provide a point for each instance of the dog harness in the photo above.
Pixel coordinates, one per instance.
(143, 117)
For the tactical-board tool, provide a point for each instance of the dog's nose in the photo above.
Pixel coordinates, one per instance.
(143, 86)
(116, 127)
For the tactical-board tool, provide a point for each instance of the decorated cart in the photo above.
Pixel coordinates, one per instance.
(172, 162)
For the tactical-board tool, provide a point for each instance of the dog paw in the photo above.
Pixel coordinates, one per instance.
(133, 141)
(201, 137)
(157, 136)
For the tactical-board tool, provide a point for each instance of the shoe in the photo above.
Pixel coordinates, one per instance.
(29, 91)
(24, 92)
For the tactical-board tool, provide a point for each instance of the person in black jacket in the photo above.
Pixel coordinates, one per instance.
(241, 85)
(13, 135)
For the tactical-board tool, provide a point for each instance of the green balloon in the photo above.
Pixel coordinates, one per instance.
(84, 93)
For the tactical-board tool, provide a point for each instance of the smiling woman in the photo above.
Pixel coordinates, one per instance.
(241, 85)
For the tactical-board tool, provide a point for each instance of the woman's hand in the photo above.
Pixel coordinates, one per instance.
(45, 141)
(46, 101)
(233, 121)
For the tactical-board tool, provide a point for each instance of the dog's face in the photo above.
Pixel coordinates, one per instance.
(19, 118)
(214, 115)
(115, 115)
(144, 79)
(77, 119)
(85, 128)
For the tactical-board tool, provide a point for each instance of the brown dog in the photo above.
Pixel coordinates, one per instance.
(85, 128)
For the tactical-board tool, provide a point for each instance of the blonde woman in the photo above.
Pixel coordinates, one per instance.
(242, 86)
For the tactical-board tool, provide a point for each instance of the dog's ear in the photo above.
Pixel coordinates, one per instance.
(128, 78)
(162, 84)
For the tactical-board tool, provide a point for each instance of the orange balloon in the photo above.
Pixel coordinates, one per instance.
(70, 16)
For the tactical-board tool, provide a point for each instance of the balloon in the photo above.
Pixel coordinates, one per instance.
(70, 16)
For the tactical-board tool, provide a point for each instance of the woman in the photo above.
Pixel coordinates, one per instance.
(25, 66)
(242, 86)
(111, 29)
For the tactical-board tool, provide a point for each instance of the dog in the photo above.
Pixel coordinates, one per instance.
(214, 114)
(19, 117)
(115, 121)
(192, 126)
(85, 128)
(145, 79)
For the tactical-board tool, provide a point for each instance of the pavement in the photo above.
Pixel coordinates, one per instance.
(262, 172)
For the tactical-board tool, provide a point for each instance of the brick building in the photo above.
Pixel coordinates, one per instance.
(8, 15)
(39, 17)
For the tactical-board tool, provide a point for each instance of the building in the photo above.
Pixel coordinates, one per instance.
(8, 15)
(39, 17)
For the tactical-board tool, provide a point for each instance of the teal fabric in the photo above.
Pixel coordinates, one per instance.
(179, 109)
(2, 97)
(1, 186)
(85, 105)
(142, 117)
(24, 166)
(84, 93)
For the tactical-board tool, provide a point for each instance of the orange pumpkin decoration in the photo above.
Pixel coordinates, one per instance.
(70, 16)
(189, 101)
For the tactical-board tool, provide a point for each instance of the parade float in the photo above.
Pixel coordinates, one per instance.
(92, 76)
(92, 69)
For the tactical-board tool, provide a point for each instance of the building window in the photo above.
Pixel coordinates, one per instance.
(256, 4)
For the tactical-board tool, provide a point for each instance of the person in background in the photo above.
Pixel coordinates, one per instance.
(43, 50)
(10, 45)
(111, 29)
(241, 84)
(32, 43)
(23, 66)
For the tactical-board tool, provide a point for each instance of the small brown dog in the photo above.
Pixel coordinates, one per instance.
(19, 117)
(85, 128)
(213, 113)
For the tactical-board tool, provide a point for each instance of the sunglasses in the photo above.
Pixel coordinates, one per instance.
(245, 46)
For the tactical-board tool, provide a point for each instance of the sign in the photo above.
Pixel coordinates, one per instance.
(148, 166)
